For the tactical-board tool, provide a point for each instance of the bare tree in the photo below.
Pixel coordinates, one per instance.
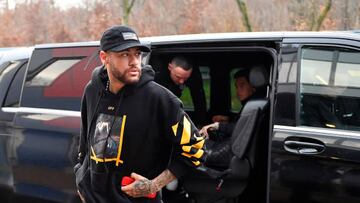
(127, 7)
(345, 19)
(243, 10)
(316, 26)
(36, 21)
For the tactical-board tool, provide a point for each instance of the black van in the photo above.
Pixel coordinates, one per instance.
(300, 142)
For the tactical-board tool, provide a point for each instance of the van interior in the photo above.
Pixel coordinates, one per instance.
(244, 179)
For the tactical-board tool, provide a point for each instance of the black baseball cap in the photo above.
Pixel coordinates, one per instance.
(120, 38)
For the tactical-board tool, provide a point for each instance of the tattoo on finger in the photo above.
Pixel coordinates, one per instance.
(142, 187)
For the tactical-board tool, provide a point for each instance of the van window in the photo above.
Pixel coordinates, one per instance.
(330, 88)
(13, 95)
(58, 84)
(8, 67)
(235, 102)
(47, 76)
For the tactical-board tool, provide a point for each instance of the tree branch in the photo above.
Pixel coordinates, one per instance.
(322, 16)
(243, 10)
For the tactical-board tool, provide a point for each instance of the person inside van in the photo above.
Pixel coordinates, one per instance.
(219, 144)
(179, 74)
(244, 91)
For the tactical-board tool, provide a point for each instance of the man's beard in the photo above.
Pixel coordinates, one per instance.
(124, 77)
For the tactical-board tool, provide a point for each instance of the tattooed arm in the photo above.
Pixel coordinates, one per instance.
(143, 186)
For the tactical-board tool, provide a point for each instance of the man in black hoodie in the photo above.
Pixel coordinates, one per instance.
(131, 126)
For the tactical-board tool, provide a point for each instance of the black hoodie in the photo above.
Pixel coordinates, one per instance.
(149, 133)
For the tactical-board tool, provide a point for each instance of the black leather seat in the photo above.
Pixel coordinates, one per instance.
(249, 143)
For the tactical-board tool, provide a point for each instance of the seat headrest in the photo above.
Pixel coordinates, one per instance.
(258, 76)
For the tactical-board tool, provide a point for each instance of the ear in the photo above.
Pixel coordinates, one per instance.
(170, 66)
(104, 57)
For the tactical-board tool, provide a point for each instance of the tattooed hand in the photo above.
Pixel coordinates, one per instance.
(141, 187)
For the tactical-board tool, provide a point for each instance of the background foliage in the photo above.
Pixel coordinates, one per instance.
(41, 21)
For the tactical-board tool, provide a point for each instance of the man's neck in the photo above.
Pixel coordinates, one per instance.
(115, 87)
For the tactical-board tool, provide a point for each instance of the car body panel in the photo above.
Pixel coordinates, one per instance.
(310, 164)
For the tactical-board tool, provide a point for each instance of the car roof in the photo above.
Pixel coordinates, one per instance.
(218, 37)
(15, 53)
(259, 36)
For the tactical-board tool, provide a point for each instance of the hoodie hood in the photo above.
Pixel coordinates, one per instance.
(147, 75)
(99, 78)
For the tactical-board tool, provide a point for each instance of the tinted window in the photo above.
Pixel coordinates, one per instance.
(330, 88)
(13, 95)
(235, 102)
(48, 75)
(286, 86)
(8, 67)
(56, 77)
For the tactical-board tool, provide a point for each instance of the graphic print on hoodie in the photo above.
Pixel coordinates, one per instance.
(108, 139)
(109, 132)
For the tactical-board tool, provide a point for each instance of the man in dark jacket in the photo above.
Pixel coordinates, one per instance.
(180, 73)
(131, 126)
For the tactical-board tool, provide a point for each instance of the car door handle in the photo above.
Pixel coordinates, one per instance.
(302, 147)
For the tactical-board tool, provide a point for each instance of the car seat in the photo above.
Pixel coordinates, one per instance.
(249, 143)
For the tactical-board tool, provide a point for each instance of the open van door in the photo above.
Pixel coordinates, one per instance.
(217, 63)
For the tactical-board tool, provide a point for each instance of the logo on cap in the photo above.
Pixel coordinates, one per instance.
(129, 36)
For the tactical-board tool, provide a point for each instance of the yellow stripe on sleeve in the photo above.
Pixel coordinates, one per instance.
(186, 155)
(185, 137)
(186, 148)
(175, 127)
(197, 155)
(196, 163)
(199, 145)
